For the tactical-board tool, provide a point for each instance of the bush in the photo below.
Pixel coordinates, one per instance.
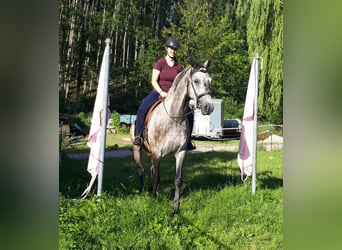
(232, 109)
(83, 120)
(115, 116)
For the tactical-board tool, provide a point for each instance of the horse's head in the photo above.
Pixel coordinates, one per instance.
(199, 87)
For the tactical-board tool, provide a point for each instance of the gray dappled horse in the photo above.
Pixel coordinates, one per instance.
(167, 131)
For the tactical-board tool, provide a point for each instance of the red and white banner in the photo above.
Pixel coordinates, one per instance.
(248, 136)
(95, 133)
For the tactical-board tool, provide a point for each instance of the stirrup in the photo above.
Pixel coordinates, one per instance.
(138, 141)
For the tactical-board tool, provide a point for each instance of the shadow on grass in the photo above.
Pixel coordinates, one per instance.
(268, 181)
(211, 170)
(119, 177)
(79, 150)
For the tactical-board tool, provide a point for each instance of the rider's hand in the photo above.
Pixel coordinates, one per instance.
(163, 94)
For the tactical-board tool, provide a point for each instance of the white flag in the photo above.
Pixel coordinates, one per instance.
(246, 146)
(95, 133)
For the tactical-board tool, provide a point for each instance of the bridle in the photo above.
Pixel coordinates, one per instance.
(198, 105)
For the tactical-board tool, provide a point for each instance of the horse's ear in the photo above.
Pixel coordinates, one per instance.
(193, 60)
(207, 63)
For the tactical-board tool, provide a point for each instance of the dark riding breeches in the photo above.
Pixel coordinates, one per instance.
(146, 103)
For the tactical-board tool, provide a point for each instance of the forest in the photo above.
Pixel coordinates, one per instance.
(230, 32)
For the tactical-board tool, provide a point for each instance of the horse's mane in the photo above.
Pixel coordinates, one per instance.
(178, 79)
(195, 68)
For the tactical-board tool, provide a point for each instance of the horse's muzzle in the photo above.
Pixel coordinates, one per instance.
(207, 108)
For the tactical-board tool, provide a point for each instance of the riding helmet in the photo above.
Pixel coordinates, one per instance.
(172, 43)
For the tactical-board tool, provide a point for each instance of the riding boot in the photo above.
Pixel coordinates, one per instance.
(191, 145)
(138, 140)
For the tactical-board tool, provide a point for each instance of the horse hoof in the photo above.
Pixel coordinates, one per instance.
(176, 213)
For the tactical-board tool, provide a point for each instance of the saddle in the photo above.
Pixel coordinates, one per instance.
(149, 112)
(147, 119)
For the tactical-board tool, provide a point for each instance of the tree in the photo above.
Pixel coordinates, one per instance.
(84, 26)
(205, 34)
(264, 29)
(231, 32)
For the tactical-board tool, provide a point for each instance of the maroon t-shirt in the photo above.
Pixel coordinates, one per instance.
(167, 73)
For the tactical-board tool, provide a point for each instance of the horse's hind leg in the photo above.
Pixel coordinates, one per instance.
(140, 169)
(136, 150)
(155, 179)
(180, 156)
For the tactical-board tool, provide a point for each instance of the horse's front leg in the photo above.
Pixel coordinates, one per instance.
(180, 156)
(155, 173)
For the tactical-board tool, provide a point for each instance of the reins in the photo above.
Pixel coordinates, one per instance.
(176, 117)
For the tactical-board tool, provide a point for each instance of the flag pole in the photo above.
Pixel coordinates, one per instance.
(255, 125)
(104, 119)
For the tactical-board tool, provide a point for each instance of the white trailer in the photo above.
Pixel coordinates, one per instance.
(209, 125)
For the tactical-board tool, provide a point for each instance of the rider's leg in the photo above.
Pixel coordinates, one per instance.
(146, 103)
(191, 146)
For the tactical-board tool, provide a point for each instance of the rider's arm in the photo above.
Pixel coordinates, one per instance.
(155, 76)
(155, 84)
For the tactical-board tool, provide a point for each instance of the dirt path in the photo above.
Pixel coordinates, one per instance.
(124, 153)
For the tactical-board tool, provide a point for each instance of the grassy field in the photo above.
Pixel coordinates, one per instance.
(217, 209)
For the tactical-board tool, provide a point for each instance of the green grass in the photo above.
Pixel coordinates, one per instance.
(218, 210)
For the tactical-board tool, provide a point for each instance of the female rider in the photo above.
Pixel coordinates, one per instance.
(164, 72)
